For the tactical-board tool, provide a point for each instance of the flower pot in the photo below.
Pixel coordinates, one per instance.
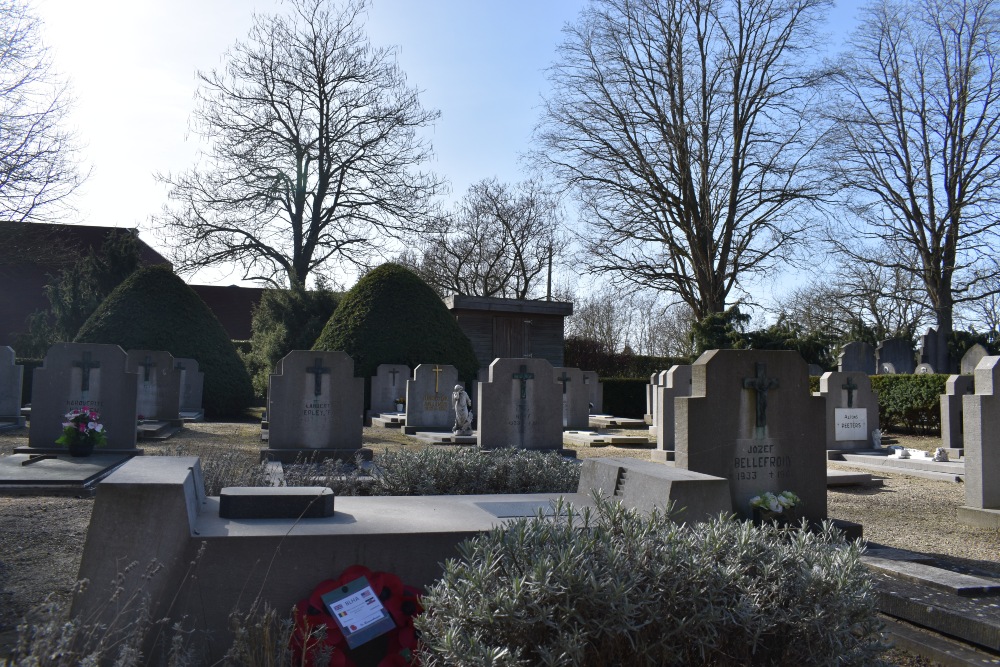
(81, 447)
(400, 407)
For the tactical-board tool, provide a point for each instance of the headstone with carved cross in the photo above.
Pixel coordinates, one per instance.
(952, 430)
(520, 405)
(982, 455)
(575, 398)
(751, 419)
(851, 409)
(388, 385)
(428, 398)
(314, 407)
(159, 388)
(11, 377)
(192, 389)
(595, 392)
(76, 375)
(677, 383)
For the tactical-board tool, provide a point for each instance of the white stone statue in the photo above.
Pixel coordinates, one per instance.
(877, 439)
(940, 454)
(462, 404)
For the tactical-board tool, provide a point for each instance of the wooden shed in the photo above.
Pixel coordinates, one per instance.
(511, 327)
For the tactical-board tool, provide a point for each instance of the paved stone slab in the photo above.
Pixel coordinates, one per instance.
(608, 421)
(935, 577)
(62, 470)
(847, 478)
(596, 439)
(518, 509)
(444, 438)
(891, 553)
(390, 420)
(902, 465)
(979, 516)
(285, 502)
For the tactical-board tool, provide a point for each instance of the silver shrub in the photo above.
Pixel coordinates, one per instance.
(608, 585)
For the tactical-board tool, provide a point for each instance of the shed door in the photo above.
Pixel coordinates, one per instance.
(511, 336)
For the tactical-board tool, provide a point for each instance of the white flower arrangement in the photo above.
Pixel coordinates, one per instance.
(775, 503)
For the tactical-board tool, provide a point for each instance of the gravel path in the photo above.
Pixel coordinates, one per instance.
(41, 538)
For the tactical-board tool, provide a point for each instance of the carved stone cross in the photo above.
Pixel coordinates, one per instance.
(564, 379)
(318, 370)
(394, 373)
(86, 364)
(850, 387)
(760, 383)
(146, 365)
(437, 376)
(524, 376)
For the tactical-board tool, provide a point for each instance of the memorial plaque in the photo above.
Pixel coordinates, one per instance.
(850, 424)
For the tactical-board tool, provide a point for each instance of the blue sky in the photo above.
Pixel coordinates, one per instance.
(132, 63)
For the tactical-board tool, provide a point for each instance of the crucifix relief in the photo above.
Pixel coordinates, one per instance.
(437, 370)
(564, 379)
(394, 373)
(86, 364)
(318, 370)
(850, 387)
(146, 365)
(524, 376)
(760, 383)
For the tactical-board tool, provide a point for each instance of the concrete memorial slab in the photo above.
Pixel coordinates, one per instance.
(315, 407)
(971, 359)
(575, 398)
(158, 392)
(11, 378)
(51, 474)
(677, 383)
(520, 406)
(982, 447)
(428, 398)
(952, 412)
(856, 356)
(595, 392)
(387, 385)
(751, 419)
(851, 408)
(598, 439)
(897, 352)
(192, 389)
(75, 375)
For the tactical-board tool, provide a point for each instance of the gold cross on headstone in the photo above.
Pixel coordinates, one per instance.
(437, 376)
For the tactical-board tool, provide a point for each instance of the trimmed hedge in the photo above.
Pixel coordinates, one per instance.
(590, 355)
(391, 316)
(910, 402)
(155, 310)
(625, 397)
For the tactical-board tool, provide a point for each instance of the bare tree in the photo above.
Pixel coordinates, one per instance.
(37, 156)
(679, 125)
(918, 143)
(500, 241)
(313, 143)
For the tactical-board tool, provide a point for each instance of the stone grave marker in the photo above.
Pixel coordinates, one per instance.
(388, 384)
(851, 409)
(897, 352)
(595, 392)
(751, 419)
(192, 388)
(575, 398)
(11, 377)
(428, 397)
(928, 347)
(952, 413)
(75, 375)
(971, 359)
(520, 406)
(886, 369)
(654, 381)
(923, 369)
(856, 356)
(315, 407)
(158, 392)
(982, 455)
(677, 383)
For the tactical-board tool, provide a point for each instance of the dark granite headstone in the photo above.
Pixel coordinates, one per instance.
(898, 352)
(856, 356)
(752, 419)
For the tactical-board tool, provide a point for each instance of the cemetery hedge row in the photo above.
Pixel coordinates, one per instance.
(592, 356)
(625, 397)
(910, 402)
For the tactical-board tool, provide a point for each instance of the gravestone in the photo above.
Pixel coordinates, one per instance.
(751, 419)
(654, 381)
(575, 398)
(158, 391)
(982, 447)
(428, 397)
(923, 369)
(928, 347)
(952, 413)
(520, 405)
(76, 375)
(971, 359)
(898, 352)
(315, 407)
(11, 378)
(857, 356)
(677, 383)
(595, 392)
(851, 409)
(387, 385)
(886, 369)
(192, 388)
